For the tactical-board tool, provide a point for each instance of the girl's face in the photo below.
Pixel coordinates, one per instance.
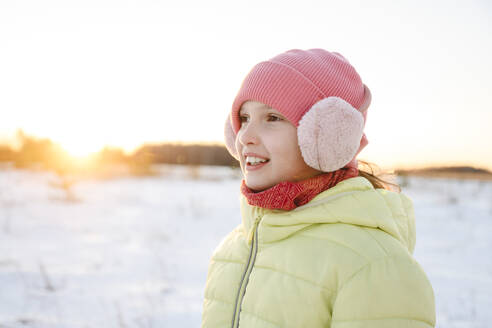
(268, 148)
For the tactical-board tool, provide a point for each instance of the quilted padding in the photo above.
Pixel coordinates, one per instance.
(343, 260)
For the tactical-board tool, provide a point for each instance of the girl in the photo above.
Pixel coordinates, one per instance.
(321, 244)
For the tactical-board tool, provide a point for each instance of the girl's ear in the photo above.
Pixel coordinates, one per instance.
(230, 138)
(330, 134)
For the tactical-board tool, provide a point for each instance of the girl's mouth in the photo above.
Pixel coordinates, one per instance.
(256, 166)
(254, 163)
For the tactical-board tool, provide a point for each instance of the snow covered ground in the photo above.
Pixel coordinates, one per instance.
(133, 252)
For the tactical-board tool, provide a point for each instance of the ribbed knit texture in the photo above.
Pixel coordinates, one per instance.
(295, 80)
(289, 195)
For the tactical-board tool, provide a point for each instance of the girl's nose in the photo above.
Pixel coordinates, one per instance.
(248, 134)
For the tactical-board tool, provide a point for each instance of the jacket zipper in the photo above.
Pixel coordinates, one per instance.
(246, 274)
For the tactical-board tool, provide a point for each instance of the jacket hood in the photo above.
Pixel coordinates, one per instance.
(352, 201)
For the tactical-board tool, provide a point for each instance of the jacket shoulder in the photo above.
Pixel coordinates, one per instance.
(366, 244)
(371, 271)
(392, 291)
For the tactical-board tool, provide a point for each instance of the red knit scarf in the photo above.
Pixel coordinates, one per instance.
(289, 195)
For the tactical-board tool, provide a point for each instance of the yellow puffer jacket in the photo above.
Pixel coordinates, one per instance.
(343, 260)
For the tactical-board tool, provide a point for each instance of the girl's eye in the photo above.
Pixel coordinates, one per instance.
(243, 119)
(274, 118)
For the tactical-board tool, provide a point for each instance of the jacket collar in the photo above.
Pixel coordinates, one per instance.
(352, 201)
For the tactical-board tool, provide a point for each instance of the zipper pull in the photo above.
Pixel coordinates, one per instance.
(253, 229)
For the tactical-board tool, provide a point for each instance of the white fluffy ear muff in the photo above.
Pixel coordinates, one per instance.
(230, 138)
(329, 134)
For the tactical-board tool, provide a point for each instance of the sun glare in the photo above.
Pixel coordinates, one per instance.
(79, 148)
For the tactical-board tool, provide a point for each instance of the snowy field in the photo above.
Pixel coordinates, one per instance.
(133, 252)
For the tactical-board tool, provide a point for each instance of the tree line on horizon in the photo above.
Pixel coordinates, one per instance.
(44, 153)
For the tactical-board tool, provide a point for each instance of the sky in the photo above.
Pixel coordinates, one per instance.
(89, 74)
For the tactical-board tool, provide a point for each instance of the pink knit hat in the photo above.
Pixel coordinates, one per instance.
(321, 94)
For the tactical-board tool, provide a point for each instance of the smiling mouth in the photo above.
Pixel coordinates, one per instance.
(250, 167)
(255, 161)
